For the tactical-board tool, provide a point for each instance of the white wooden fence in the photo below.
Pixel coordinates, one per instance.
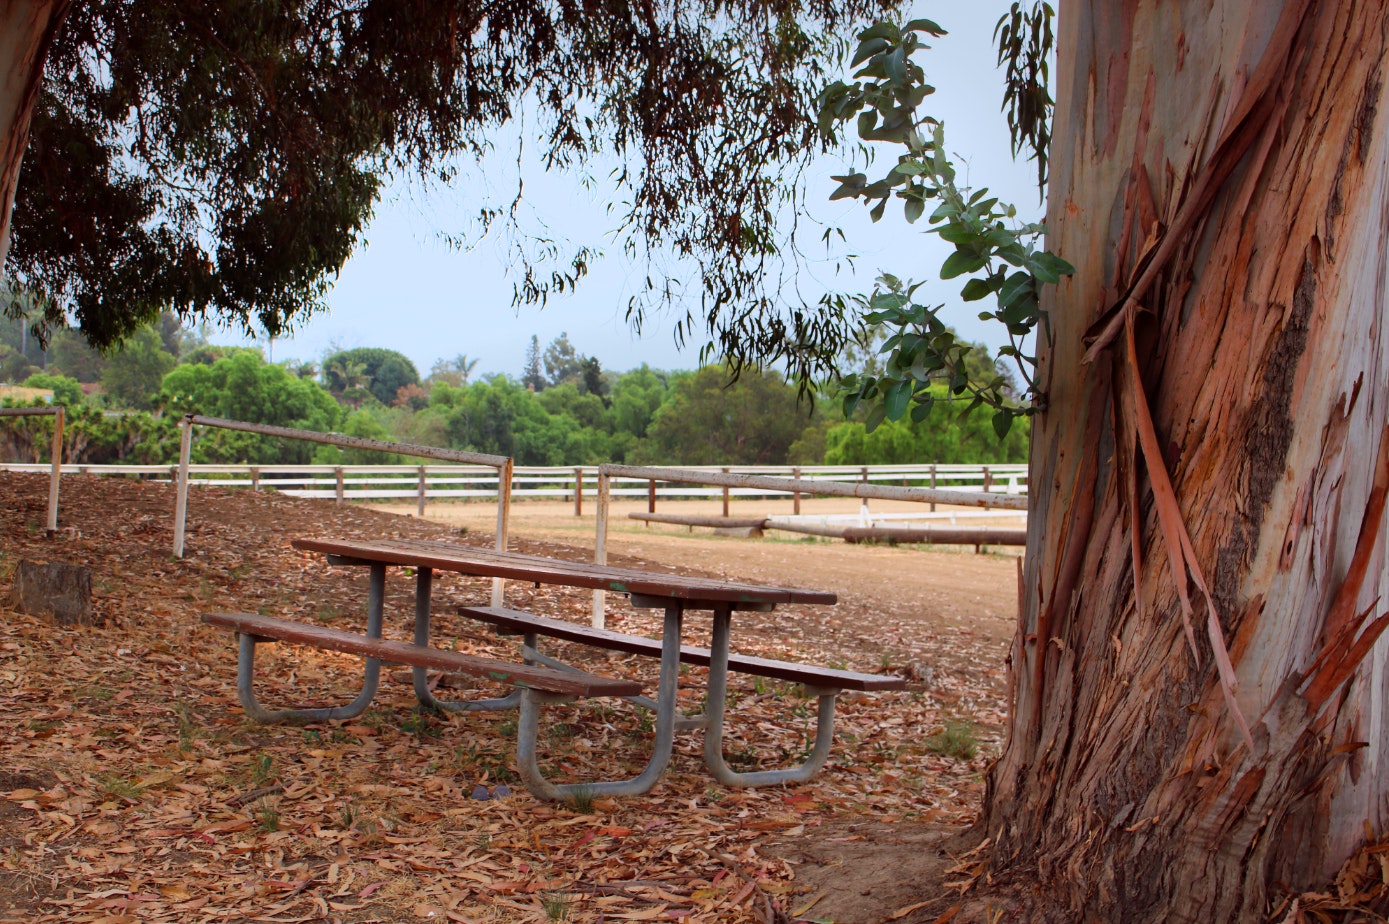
(424, 483)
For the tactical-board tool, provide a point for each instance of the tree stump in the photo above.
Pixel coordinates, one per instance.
(56, 591)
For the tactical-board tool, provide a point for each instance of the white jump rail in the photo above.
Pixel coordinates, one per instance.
(56, 468)
(503, 465)
(730, 480)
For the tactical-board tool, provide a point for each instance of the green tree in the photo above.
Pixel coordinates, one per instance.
(134, 373)
(705, 420)
(455, 371)
(944, 435)
(532, 376)
(69, 354)
(66, 391)
(636, 396)
(380, 371)
(562, 363)
(223, 159)
(245, 387)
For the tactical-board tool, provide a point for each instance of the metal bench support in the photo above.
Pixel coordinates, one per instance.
(714, 710)
(424, 585)
(528, 727)
(371, 671)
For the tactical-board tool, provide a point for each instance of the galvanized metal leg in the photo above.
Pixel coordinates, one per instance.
(714, 711)
(424, 585)
(533, 655)
(532, 701)
(371, 671)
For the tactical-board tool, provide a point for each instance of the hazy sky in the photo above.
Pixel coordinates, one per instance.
(408, 291)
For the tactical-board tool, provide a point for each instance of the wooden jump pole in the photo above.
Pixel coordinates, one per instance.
(185, 448)
(57, 474)
(578, 491)
(600, 541)
(505, 472)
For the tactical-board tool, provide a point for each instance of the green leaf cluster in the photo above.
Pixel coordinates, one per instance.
(998, 257)
(224, 159)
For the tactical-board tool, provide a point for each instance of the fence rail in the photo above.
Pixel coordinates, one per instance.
(345, 483)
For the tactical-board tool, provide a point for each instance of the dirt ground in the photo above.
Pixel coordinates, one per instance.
(131, 777)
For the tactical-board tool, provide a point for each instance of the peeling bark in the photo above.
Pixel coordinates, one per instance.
(1220, 178)
(27, 30)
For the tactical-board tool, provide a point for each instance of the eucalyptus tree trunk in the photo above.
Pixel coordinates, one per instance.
(27, 28)
(1199, 700)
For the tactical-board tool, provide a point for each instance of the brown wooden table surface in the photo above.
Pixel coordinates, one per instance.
(448, 556)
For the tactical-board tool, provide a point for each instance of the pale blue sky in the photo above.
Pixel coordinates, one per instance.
(408, 291)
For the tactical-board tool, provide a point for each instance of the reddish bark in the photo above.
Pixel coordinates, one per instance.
(1220, 178)
(27, 30)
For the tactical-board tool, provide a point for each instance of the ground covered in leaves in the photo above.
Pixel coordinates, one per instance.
(132, 788)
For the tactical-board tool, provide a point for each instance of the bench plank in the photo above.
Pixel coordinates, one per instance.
(523, 675)
(520, 622)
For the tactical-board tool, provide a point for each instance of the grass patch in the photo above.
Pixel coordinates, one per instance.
(957, 739)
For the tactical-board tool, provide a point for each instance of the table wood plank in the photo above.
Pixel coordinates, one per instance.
(448, 556)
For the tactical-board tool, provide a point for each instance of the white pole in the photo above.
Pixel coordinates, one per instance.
(600, 542)
(504, 473)
(185, 447)
(57, 470)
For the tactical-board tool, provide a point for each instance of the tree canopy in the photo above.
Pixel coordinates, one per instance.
(222, 160)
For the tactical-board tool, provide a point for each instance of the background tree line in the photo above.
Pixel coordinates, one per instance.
(565, 409)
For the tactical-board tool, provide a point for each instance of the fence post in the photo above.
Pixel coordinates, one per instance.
(57, 474)
(341, 488)
(419, 509)
(725, 494)
(796, 497)
(988, 480)
(578, 491)
(185, 448)
(504, 478)
(863, 474)
(651, 497)
(255, 478)
(933, 485)
(600, 541)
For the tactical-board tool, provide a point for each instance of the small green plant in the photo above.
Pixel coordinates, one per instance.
(582, 800)
(957, 739)
(118, 787)
(348, 816)
(313, 736)
(422, 722)
(325, 613)
(267, 816)
(187, 727)
(558, 905)
(743, 759)
(262, 769)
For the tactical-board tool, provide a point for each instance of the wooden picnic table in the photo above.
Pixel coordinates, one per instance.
(672, 593)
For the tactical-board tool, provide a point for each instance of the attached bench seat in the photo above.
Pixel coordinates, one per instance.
(518, 622)
(825, 683)
(564, 683)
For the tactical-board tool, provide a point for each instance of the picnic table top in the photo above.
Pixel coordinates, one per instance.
(449, 556)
